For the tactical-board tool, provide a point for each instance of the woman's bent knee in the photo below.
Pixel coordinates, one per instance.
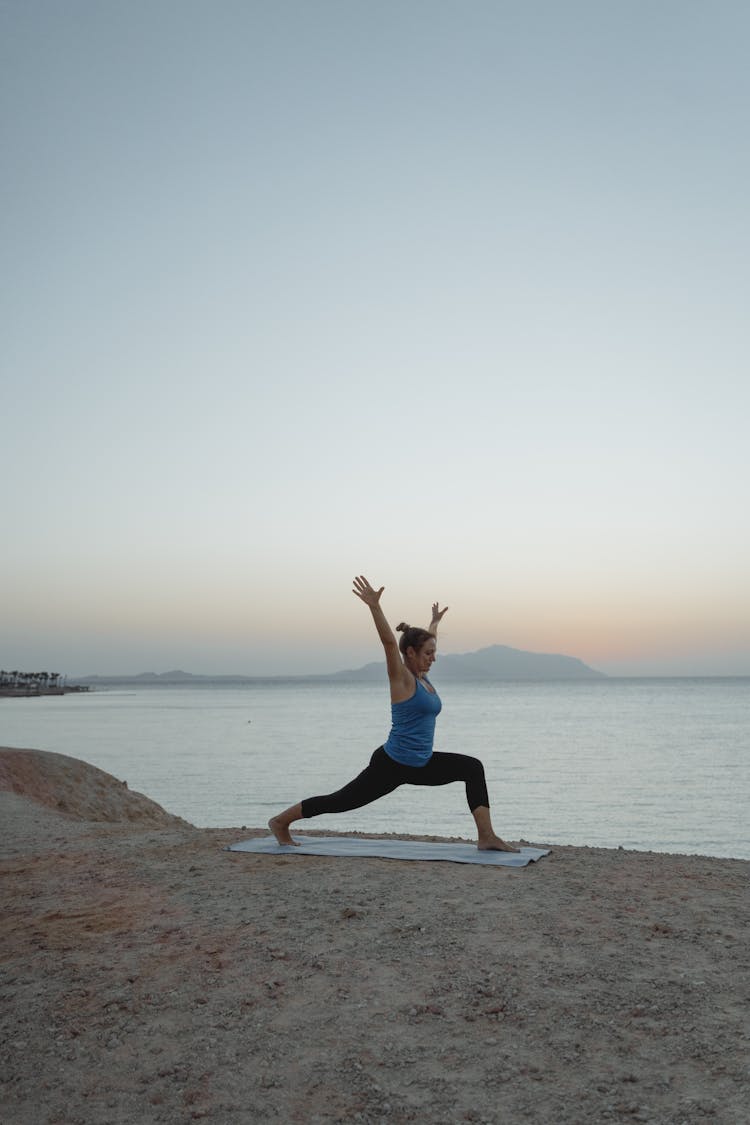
(474, 766)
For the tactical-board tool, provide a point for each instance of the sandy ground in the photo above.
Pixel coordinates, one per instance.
(150, 976)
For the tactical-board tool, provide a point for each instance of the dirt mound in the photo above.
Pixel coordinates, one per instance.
(75, 788)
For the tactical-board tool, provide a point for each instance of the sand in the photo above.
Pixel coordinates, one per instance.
(150, 976)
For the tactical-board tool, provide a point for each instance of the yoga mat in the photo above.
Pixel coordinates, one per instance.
(390, 849)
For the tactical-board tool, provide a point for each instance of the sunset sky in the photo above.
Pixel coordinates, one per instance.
(453, 295)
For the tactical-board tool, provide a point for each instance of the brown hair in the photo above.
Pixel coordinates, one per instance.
(413, 637)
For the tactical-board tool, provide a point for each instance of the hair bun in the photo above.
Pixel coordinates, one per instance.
(402, 627)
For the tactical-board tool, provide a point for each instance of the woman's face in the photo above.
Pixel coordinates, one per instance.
(423, 658)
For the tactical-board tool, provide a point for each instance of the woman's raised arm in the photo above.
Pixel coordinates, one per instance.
(371, 598)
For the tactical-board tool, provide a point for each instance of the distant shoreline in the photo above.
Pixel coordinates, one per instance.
(163, 680)
(497, 662)
(33, 692)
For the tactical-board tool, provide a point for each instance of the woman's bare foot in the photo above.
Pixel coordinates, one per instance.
(495, 844)
(487, 838)
(281, 831)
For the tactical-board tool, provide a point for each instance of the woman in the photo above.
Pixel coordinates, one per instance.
(407, 758)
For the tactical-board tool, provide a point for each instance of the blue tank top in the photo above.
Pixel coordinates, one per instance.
(413, 729)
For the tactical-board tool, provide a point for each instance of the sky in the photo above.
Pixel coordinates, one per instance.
(452, 295)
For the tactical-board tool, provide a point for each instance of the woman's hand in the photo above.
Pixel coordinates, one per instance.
(437, 613)
(365, 592)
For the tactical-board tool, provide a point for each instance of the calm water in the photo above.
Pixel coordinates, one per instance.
(659, 765)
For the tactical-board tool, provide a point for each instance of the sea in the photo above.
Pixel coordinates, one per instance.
(646, 764)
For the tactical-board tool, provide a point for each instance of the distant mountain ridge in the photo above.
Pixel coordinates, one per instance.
(497, 662)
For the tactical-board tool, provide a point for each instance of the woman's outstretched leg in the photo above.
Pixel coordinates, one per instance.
(487, 840)
(380, 777)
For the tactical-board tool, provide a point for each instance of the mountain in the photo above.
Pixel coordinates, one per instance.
(169, 679)
(503, 663)
(498, 662)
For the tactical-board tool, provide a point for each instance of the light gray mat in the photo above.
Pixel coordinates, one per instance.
(390, 849)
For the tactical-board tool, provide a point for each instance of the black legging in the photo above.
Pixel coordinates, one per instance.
(383, 775)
